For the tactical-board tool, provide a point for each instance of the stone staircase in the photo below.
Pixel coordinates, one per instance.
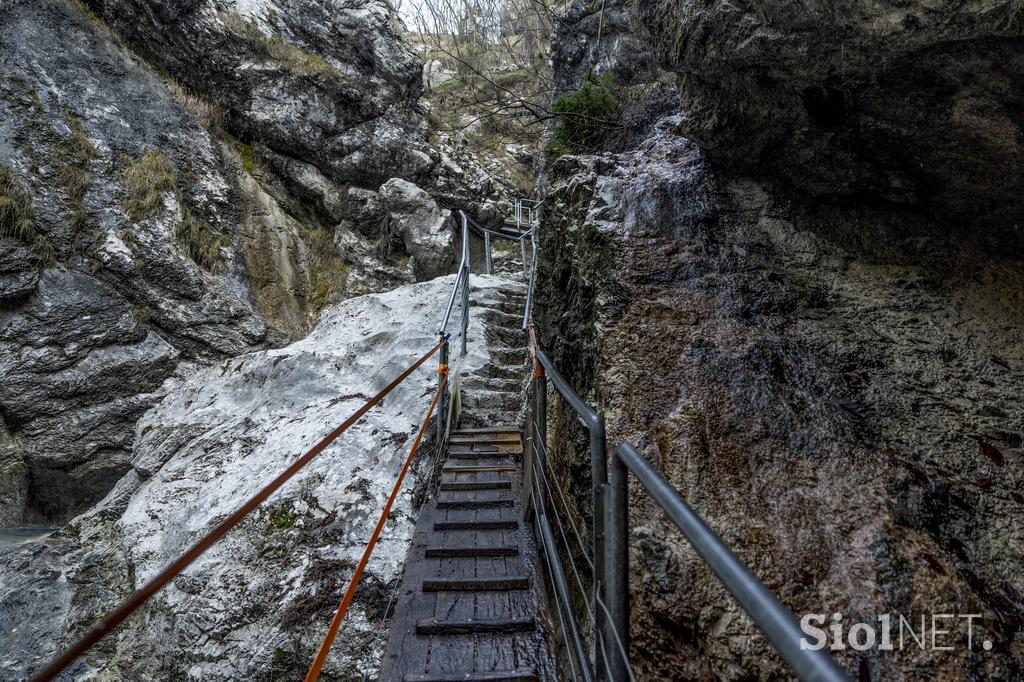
(494, 393)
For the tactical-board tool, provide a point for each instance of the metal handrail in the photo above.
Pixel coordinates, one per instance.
(462, 279)
(771, 617)
(611, 543)
(544, 369)
(534, 242)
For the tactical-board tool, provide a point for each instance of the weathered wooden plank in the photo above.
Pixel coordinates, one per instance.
(500, 447)
(504, 484)
(476, 525)
(474, 551)
(484, 438)
(520, 675)
(511, 582)
(474, 504)
(486, 430)
(484, 454)
(469, 469)
(472, 626)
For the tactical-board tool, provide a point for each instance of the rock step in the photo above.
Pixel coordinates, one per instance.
(494, 371)
(473, 626)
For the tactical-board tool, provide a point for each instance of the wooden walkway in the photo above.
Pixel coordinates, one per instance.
(470, 608)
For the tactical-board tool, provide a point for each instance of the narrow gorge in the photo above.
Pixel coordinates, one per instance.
(780, 250)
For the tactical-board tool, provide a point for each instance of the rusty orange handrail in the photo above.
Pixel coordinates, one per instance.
(339, 615)
(140, 596)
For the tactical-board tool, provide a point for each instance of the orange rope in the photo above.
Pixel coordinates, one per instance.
(140, 596)
(339, 615)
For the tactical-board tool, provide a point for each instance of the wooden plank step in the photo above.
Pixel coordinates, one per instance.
(476, 485)
(465, 469)
(474, 626)
(481, 438)
(441, 526)
(496, 584)
(483, 454)
(486, 430)
(475, 504)
(492, 447)
(470, 552)
(517, 675)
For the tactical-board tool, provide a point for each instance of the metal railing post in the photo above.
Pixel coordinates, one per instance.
(442, 371)
(465, 312)
(772, 618)
(599, 478)
(616, 560)
(465, 283)
(487, 252)
(540, 422)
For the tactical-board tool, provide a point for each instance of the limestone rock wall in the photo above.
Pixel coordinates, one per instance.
(805, 309)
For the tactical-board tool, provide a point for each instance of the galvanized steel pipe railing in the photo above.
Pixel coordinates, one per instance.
(534, 241)
(461, 283)
(771, 617)
(610, 545)
(545, 369)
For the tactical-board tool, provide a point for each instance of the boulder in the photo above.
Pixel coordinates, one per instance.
(426, 230)
(366, 211)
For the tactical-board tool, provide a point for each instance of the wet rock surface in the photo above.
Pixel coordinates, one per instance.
(835, 397)
(257, 604)
(906, 103)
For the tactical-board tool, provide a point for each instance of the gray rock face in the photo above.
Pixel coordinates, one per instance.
(908, 103)
(139, 254)
(366, 211)
(327, 82)
(256, 605)
(425, 229)
(575, 47)
(837, 399)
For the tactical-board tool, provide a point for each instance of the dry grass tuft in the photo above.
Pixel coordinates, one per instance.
(147, 179)
(16, 218)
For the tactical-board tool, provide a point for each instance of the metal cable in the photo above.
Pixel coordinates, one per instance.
(598, 640)
(572, 562)
(558, 603)
(618, 639)
(565, 506)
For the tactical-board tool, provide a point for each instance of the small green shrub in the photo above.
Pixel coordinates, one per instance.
(587, 116)
(16, 218)
(283, 516)
(147, 179)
